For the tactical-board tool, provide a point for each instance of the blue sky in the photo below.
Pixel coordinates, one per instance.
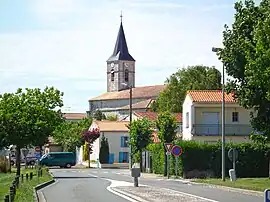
(65, 43)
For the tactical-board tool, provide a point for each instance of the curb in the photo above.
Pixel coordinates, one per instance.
(37, 195)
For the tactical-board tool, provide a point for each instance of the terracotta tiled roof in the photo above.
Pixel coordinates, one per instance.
(137, 92)
(74, 115)
(152, 116)
(210, 96)
(145, 104)
(110, 126)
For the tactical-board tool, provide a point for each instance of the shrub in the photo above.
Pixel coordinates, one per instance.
(204, 160)
(104, 150)
(4, 165)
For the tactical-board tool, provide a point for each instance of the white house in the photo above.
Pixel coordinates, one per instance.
(202, 117)
(117, 134)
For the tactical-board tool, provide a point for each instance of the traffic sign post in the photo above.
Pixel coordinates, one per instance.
(168, 147)
(267, 195)
(176, 151)
(233, 156)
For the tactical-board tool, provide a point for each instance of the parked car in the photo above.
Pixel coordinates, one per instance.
(62, 159)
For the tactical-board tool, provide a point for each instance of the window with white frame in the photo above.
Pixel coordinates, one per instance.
(187, 120)
(235, 116)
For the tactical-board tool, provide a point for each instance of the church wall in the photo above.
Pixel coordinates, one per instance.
(94, 105)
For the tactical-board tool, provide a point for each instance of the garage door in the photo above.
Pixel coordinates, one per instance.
(210, 123)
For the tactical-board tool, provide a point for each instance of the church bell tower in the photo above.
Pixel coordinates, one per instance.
(121, 65)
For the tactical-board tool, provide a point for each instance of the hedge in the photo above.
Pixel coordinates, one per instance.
(204, 160)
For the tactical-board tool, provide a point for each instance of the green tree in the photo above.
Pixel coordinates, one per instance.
(98, 115)
(141, 132)
(166, 124)
(246, 56)
(191, 78)
(68, 134)
(104, 150)
(28, 117)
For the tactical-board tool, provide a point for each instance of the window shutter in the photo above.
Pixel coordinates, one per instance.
(120, 157)
(122, 141)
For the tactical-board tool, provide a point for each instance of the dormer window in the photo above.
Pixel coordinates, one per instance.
(126, 75)
(112, 75)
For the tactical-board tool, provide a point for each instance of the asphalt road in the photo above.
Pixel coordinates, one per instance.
(78, 187)
(89, 185)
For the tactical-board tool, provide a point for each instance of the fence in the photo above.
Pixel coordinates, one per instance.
(17, 182)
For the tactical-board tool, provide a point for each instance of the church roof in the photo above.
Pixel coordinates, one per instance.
(120, 51)
(137, 92)
(145, 104)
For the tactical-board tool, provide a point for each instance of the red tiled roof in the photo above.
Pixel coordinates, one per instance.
(210, 96)
(137, 92)
(152, 116)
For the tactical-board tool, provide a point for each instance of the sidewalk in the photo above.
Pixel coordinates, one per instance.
(152, 194)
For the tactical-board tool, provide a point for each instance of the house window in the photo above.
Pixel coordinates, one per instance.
(235, 116)
(187, 120)
(123, 157)
(124, 141)
(112, 75)
(126, 75)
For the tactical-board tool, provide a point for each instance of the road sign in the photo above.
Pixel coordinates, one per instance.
(267, 195)
(233, 154)
(37, 155)
(168, 147)
(176, 150)
(168, 153)
(37, 149)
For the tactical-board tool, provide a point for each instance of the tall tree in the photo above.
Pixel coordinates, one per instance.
(191, 78)
(166, 124)
(141, 132)
(246, 55)
(27, 117)
(68, 134)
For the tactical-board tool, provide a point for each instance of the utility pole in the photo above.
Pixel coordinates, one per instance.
(223, 118)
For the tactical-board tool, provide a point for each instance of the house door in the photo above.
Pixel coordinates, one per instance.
(111, 158)
(210, 123)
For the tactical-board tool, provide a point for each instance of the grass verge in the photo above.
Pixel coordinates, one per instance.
(5, 181)
(25, 191)
(256, 184)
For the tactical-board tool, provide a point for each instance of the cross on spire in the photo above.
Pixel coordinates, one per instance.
(121, 16)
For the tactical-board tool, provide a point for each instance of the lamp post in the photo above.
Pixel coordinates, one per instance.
(214, 49)
(130, 120)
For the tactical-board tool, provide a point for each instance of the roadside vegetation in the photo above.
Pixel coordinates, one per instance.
(256, 184)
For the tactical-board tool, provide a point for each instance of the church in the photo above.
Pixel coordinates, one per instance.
(120, 78)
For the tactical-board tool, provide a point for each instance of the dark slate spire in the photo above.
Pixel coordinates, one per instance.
(121, 50)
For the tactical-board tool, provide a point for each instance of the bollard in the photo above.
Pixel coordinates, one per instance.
(17, 180)
(41, 172)
(6, 198)
(136, 173)
(31, 175)
(26, 176)
(11, 193)
(22, 177)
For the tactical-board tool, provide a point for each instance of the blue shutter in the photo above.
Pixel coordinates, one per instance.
(120, 157)
(122, 141)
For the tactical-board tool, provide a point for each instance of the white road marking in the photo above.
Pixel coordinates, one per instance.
(105, 172)
(93, 175)
(118, 173)
(129, 197)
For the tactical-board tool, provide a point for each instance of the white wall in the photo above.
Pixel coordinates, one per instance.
(187, 108)
(114, 140)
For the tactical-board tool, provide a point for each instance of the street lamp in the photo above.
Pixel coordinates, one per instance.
(214, 49)
(130, 120)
